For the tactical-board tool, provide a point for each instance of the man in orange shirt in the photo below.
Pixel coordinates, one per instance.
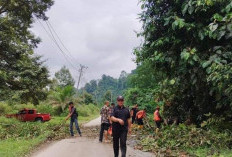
(140, 115)
(157, 118)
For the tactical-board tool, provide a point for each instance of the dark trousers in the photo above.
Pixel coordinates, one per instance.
(133, 120)
(122, 137)
(104, 126)
(140, 121)
(158, 124)
(71, 126)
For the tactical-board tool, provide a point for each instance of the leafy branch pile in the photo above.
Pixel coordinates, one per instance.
(11, 128)
(171, 140)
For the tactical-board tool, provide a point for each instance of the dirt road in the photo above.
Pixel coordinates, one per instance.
(84, 146)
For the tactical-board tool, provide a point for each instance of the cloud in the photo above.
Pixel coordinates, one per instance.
(98, 33)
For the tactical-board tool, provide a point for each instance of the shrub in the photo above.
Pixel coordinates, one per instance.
(22, 106)
(45, 109)
(4, 108)
(57, 110)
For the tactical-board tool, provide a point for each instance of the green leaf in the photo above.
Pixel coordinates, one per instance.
(184, 10)
(190, 10)
(221, 34)
(185, 55)
(167, 20)
(217, 17)
(228, 7)
(213, 27)
(201, 35)
(195, 58)
(142, 6)
(172, 82)
(206, 64)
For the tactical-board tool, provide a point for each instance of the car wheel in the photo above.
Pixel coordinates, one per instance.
(39, 120)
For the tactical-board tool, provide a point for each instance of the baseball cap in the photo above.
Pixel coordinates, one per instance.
(120, 98)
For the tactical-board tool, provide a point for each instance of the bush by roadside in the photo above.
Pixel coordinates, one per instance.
(189, 140)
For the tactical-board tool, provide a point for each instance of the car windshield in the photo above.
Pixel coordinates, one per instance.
(22, 112)
(31, 112)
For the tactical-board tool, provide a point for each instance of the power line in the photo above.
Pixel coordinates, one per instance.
(54, 39)
(49, 23)
(51, 36)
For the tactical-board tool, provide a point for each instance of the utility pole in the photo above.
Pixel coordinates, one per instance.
(111, 96)
(81, 70)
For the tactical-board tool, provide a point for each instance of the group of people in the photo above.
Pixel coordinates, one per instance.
(121, 120)
(117, 118)
(139, 115)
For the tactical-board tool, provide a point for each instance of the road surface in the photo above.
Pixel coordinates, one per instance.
(93, 123)
(84, 147)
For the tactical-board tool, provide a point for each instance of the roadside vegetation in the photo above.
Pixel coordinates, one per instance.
(187, 140)
(19, 138)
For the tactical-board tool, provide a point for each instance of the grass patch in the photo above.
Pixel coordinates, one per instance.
(19, 147)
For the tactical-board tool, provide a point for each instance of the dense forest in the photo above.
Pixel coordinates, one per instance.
(187, 46)
(106, 88)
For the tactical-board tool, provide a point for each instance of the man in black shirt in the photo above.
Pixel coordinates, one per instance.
(120, 127)
(134, 111)
(73, 114)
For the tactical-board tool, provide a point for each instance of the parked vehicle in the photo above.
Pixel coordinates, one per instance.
(30, 115)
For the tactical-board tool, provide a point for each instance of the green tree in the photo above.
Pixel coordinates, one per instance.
(189, 42)
(64, 77)
(91, 87)
(21, 72)
(122, 81)
(66, 93)
(88, 98)
(108, 95)
(116, 86)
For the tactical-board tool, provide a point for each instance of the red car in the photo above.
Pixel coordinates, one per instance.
(30, 115)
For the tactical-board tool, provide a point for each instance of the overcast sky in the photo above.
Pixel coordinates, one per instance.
(98, 33)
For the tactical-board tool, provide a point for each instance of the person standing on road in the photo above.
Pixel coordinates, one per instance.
(105, 121)
(73, 114)
(120, 127)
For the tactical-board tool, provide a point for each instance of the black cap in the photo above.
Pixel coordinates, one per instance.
(120, 98)
(70, 103)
